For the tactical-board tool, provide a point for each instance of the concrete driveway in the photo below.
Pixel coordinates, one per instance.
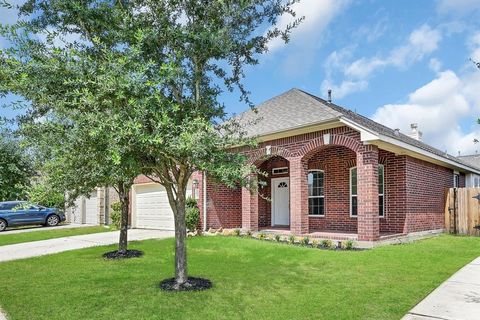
(44, 247)
(458, 298)
(42, 228)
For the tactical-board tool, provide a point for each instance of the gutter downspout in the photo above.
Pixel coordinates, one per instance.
(204, 200)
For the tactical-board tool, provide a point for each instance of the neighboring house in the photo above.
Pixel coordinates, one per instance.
(95, 209)
(472, 180)
(331, 172)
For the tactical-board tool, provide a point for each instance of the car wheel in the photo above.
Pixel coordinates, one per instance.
(3, 225)
(52, 220)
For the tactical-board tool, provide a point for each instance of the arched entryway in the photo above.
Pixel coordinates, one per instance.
(332, 189)
(274, 193)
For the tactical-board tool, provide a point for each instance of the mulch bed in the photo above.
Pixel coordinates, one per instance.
(192, 284)
(114, 255)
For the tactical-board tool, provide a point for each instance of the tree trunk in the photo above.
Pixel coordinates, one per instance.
(124, 201)
(181, 275)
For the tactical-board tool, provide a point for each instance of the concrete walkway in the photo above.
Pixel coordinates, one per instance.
(44, 247)
(458, 298)
(42, 228)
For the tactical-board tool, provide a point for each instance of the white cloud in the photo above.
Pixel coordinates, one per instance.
(439, 108)
(457, 6)
(474, 44)
(345, 88)
(421, 42)
(318, 14)
(435, 65)
(373, 33)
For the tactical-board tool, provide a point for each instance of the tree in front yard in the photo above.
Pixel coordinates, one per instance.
(81, 145)
(16, 168)
(177, 58)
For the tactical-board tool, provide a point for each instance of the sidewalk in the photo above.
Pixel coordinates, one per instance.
(44, 247)
(458, 298)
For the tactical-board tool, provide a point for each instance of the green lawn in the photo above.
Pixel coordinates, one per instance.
(252, 280)
(47, 233)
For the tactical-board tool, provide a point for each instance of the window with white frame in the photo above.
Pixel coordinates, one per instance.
(381, 190)
(316, 193)
(354, 191)
(456, 180)
(282, 170)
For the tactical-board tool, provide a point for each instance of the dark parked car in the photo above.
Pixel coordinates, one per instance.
(21, 213)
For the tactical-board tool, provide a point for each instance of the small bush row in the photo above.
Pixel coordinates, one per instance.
(301, 241)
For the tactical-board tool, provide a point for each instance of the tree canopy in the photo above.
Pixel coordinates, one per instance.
(16, 168)
(147, 76)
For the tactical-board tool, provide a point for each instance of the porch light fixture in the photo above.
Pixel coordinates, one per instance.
(195, 183)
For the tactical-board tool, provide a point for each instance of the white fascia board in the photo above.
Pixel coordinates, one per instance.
(365, 134)
(370, 137)
(419, 151)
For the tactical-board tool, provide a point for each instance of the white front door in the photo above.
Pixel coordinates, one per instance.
(281, 202)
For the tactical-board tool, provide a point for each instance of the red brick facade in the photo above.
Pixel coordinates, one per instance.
(414, 189)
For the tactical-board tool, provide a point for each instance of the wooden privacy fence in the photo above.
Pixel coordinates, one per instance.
(462, 211)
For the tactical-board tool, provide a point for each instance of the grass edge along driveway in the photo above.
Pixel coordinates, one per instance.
(252, 280)
(47, 233)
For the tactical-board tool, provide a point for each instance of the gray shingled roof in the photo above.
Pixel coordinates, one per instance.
(296, 108)
(473, 160)
(292, 109)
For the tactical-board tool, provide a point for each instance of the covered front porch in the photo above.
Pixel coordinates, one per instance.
(331, 189)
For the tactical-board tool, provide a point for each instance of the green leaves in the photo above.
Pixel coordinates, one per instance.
(16, 168)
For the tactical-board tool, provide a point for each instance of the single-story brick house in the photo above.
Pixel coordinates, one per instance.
(331, 172)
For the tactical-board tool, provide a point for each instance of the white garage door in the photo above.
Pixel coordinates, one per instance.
(91, 209)
(152, 209)
(76, 212)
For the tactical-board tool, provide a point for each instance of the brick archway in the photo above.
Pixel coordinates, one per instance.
(262, 154)
(329, 140)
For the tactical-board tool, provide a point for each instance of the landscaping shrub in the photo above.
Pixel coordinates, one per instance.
(262, 236)
(249, 233)
(349, 245)
(116, 214)
(326, 243)
(315, 243)
(305, 241)
(236, 232)
(291, 239)
(192, 214)
(277, 237)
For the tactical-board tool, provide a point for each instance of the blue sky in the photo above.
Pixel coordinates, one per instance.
(397, 62)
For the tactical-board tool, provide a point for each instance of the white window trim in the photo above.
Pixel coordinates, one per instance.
(383, 194)
(280, 168)
(380, 194)
(350, 192)
(324, 201)
(455, 174)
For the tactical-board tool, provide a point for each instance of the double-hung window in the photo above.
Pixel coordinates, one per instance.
(354, 191)
(316, 193)
(381, 190)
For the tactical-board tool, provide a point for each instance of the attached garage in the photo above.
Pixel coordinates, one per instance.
(76, 212)
(151, 209)
(91, 209)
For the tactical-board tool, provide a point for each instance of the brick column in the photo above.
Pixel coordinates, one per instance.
(367, 190)
(298, 196)
(250, 208)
